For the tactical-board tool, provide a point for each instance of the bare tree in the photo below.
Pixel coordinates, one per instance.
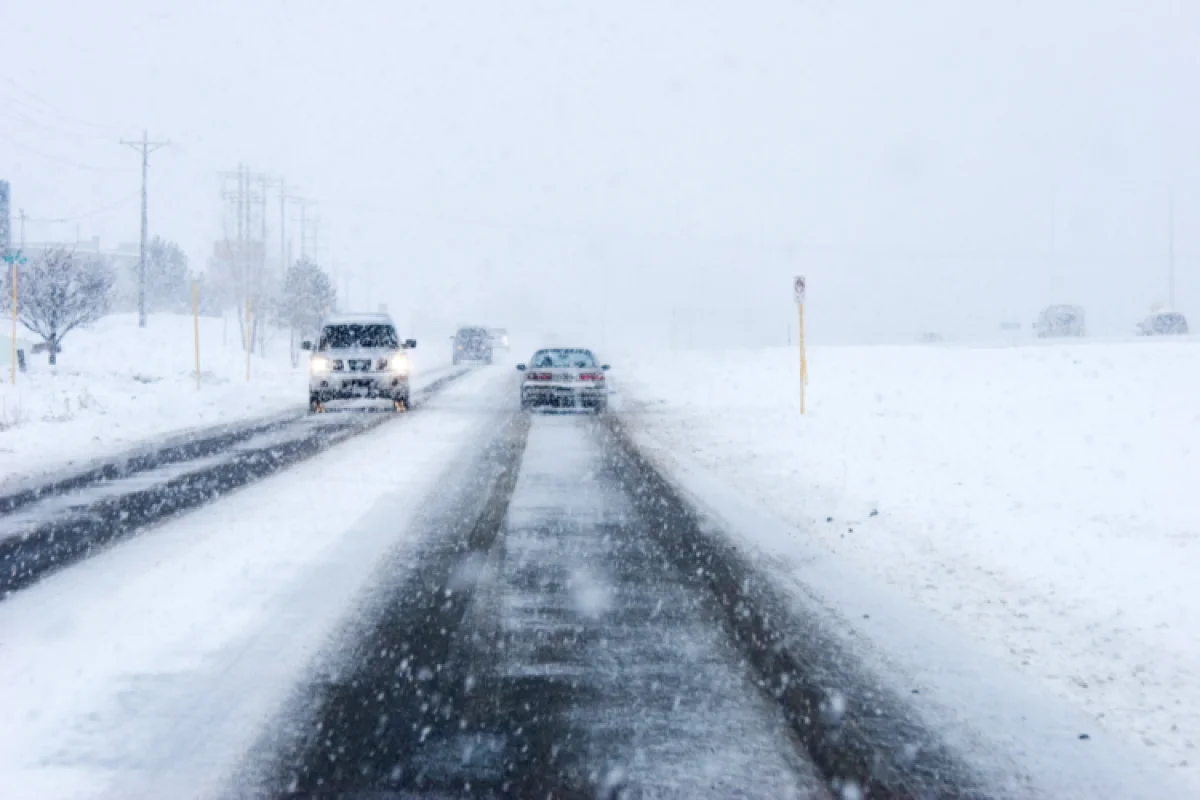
(57, 292)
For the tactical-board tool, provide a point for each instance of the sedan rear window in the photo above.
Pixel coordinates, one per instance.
(346, 337)
(563, 359)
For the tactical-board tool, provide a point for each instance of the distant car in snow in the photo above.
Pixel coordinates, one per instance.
(499, 337)
(1061, 320)
(472, 344)
(564, 377)
(1163, 323)
(357, 356)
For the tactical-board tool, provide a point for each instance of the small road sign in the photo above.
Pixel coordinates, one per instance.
(798, 288)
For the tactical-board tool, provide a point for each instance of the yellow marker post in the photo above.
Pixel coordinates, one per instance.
(196, 327)
(249, 328)
(799, 290)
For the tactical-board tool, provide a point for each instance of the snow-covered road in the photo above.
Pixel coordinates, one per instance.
(148, 670)
(475, 599)
(53, 525)
(557, 652)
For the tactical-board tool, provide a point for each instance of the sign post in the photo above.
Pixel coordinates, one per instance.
(799, 289)
(196, 327)
(14, 259)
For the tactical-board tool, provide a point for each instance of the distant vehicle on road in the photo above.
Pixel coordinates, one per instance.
(358, 355)
(472, 344)
(1163, 323)
(499, 337)
(564, 378)
(1056, 321)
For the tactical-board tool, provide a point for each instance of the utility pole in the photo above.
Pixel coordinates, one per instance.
(264, 181)
(303, 220)
(283, 259)
(249, 269)
(146, 147)
(1171, 250)
(303, 229)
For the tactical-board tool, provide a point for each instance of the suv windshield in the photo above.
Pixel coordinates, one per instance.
(563, 359)
(342, 337)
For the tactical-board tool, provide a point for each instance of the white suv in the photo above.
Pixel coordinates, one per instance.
(358, 355)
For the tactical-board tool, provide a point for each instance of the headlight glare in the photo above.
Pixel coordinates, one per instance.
(319, 365)
(399, 364)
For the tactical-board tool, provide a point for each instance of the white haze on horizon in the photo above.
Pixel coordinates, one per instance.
(645, 171)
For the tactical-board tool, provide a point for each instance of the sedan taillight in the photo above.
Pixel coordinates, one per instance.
(591, 376)
(539, 376)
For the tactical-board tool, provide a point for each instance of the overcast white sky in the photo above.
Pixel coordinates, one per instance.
(602, 169)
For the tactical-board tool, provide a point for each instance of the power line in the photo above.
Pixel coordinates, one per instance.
(146, 147)
(50, 157)
(47, 106)
(14, 113)
(84, 215)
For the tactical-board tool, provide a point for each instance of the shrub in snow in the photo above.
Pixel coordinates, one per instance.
(168, 282)
(57, 291)
(307, 296)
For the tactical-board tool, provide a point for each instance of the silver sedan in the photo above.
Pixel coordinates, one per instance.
(566, 377)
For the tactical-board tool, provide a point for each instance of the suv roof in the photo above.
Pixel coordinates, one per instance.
(359, 319)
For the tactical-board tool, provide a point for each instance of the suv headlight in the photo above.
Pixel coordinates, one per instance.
(320, 365)
(399, 364)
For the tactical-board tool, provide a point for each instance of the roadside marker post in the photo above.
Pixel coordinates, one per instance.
(14, 260)
(799, 291)
(196, 327)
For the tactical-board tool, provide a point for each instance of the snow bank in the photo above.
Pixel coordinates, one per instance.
(1041, 499)
(117, 386)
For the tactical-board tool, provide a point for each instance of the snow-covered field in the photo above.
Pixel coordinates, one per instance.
(1040, 501)
(150, 669)
(117, 386)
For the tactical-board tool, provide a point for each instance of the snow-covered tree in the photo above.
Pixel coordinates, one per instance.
(168, 281)
(57, 291)
(307, 296)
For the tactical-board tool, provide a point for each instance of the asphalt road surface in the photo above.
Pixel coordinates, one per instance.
(552, 640)
(49, 526)
(537, 614)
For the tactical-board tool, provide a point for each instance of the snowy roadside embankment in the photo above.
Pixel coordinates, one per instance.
(1042, 499)
(117, 386)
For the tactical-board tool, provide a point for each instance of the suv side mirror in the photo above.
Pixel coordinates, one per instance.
(605, 367)
(306, 345)
(521, 367)
(411, 344)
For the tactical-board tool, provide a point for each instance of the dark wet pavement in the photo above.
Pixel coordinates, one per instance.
(559, 654)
